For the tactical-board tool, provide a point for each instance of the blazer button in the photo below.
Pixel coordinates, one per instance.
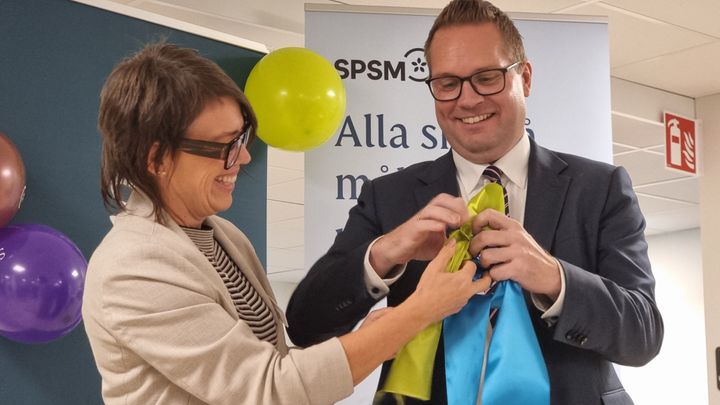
(570, 336)
(583, 340)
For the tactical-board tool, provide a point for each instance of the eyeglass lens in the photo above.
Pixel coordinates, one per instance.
(234, 149)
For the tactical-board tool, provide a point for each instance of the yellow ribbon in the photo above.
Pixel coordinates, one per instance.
(411, 371)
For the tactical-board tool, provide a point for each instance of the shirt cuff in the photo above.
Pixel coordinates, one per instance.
(551, 310)
(378, 287)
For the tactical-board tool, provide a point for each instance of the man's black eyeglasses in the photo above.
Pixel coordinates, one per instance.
(229, 152)
(485, 83)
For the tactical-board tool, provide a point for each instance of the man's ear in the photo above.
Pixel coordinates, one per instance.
(527, 78)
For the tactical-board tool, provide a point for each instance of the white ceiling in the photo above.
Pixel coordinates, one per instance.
(668, 45)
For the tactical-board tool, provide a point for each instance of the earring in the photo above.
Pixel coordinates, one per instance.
(162, 173)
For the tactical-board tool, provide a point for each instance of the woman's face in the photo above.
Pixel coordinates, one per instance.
(195, 187)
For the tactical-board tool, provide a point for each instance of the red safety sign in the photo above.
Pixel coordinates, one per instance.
(680, 143)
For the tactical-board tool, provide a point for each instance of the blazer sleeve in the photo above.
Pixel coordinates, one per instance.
(333, 297)
(160, 307)
(611, 309)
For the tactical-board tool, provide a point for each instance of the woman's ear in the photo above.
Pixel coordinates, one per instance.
(157, 170)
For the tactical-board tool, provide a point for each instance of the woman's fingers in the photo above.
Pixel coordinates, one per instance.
(440, 262)
(482, 284)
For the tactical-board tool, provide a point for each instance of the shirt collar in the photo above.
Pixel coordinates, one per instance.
(514, 165)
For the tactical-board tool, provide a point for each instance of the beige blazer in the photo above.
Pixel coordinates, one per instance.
(163, 328)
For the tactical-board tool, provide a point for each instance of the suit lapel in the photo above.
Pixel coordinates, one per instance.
(139, 205)
(547, 190)
(439, 177)
(249, 266)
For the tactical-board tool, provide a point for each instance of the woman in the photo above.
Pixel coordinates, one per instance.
(177, 307)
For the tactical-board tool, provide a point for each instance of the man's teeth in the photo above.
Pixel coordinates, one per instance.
(477, 118)
(226, 179)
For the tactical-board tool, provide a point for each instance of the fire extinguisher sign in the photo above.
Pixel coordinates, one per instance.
(680, 143)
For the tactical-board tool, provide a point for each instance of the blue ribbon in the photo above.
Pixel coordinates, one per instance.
(515, 373)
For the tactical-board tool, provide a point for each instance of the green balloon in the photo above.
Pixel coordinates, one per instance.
(298, 97)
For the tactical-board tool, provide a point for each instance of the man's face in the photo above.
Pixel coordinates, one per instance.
(480, 128)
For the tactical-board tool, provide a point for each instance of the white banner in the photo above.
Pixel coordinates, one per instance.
(390, 119)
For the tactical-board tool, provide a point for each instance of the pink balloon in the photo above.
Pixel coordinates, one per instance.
(12, 180)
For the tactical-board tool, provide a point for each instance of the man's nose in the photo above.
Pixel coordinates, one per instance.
(468, 95)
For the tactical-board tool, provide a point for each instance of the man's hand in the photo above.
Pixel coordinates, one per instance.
(421, 236)
(504, 244)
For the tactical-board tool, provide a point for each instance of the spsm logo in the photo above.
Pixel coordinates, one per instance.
(412, 67)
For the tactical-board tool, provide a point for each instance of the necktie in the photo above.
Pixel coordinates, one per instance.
(493, 173)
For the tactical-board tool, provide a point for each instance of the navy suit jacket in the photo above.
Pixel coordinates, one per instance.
(583, 212)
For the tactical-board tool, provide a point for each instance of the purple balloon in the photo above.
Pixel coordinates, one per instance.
(42, 275)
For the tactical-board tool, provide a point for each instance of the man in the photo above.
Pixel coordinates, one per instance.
(574, 240)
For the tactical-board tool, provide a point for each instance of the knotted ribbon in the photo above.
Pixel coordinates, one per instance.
(515, 371)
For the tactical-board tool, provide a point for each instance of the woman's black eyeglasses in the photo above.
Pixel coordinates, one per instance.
(229, 152)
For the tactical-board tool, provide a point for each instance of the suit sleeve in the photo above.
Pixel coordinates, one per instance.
(333, 297)
(611, 309)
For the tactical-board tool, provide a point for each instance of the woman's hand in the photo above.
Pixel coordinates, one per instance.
(439, 293)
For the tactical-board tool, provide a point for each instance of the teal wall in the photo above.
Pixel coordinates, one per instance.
(54, 57)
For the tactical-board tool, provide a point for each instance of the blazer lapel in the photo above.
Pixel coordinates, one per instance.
(139, 205)
(547, 190)
(439, 177)
(249, 266)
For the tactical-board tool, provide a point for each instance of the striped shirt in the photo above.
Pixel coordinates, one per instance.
(249, 305)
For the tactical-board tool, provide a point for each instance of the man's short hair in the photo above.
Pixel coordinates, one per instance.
(465, 12)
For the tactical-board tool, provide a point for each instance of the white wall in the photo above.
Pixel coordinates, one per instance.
(708, 111)
(283, 291)
(678, 374)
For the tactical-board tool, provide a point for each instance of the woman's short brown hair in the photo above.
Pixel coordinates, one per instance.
(462, 12)
(152, 97)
